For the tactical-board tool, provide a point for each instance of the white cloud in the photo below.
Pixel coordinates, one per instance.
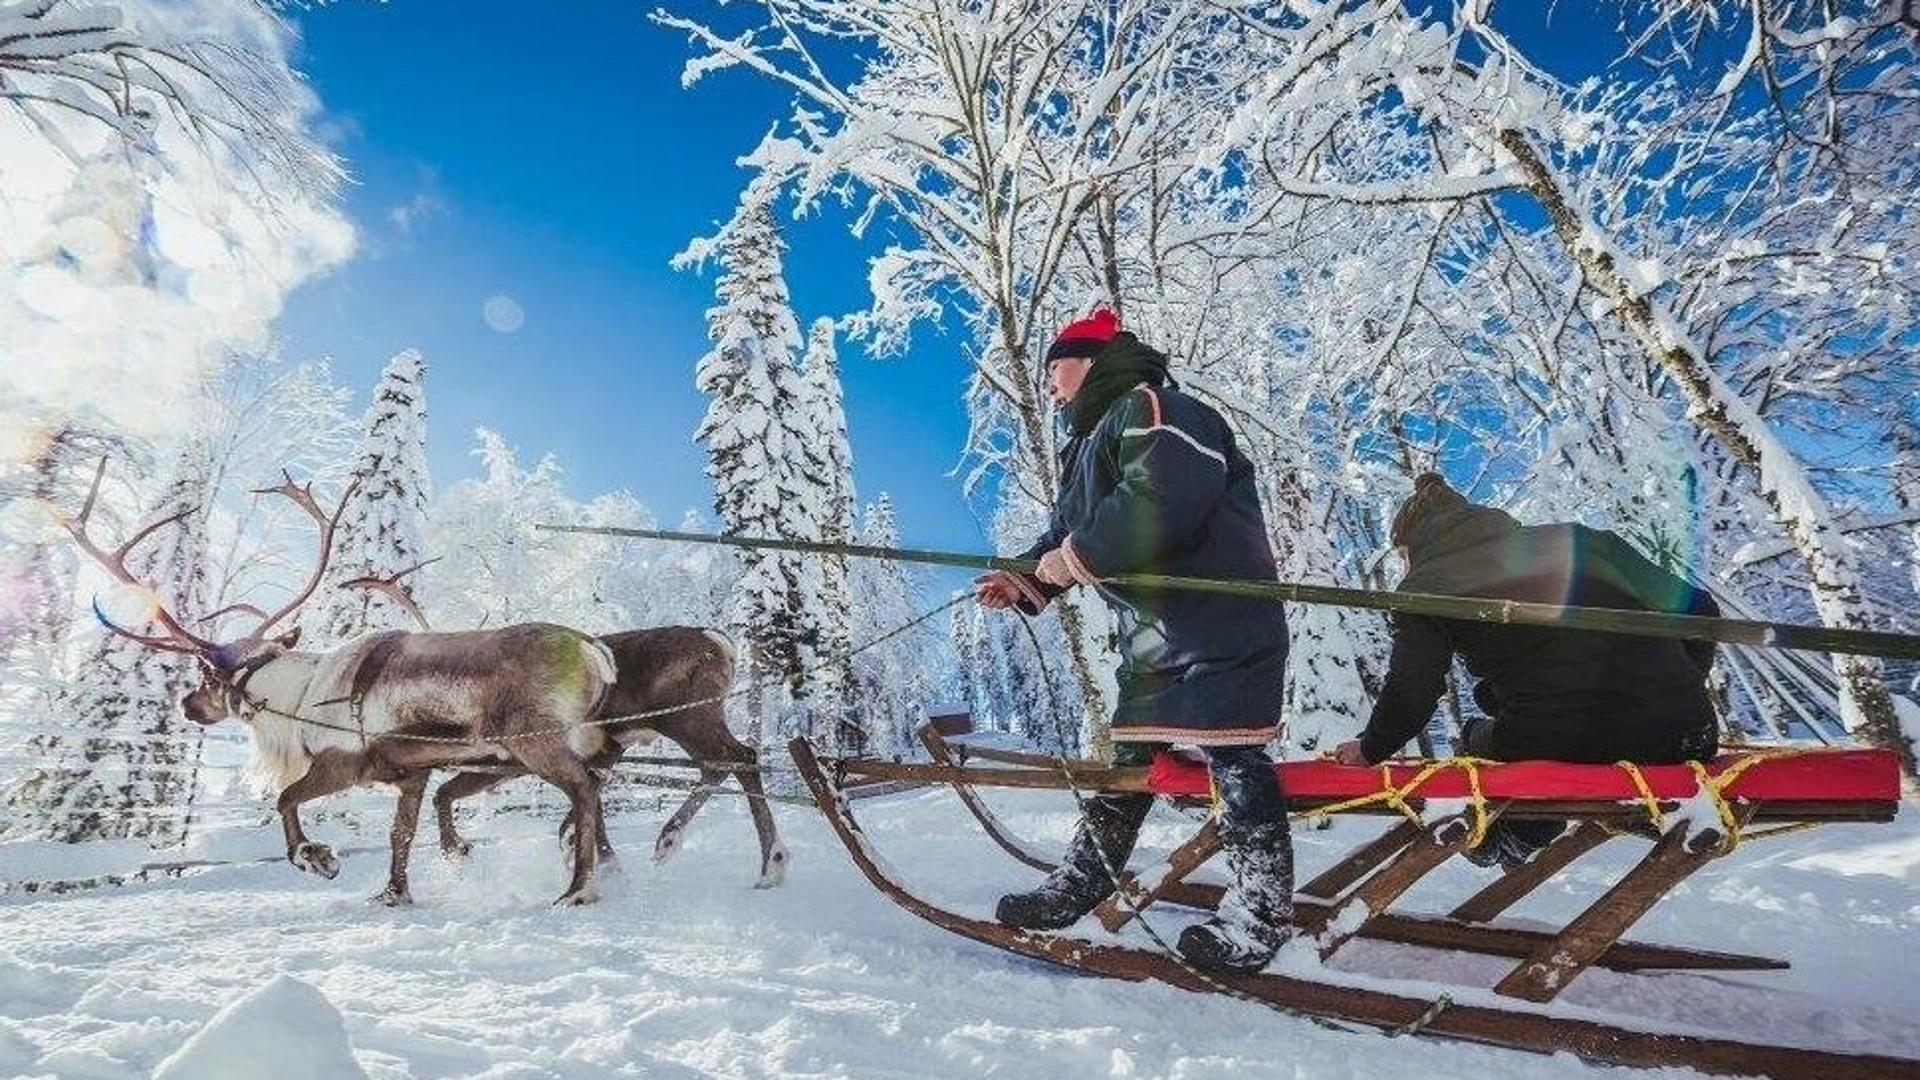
(410, 215)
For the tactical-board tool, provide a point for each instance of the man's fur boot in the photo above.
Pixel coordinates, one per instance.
(1256, 915)
(1108, 827)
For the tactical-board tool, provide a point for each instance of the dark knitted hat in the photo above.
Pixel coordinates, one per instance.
(1085, 337)
(1430, 493)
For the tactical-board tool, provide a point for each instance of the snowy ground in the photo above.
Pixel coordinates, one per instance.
(685, 971)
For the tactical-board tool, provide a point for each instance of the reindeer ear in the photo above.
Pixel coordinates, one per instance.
(289, 639)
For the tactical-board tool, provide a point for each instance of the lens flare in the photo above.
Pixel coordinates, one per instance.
(129, 605)
(29, 522)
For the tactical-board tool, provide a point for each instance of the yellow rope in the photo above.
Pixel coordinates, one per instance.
(1396, 797)
(1654, 813)
(1479, 800)
(1714, 785)
(1781, 830)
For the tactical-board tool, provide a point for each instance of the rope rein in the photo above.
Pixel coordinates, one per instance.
(358, 729)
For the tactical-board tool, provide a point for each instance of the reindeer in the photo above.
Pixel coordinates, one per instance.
(388, 707)
(672, 681)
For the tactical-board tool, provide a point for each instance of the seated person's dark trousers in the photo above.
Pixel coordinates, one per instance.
(1243, 778)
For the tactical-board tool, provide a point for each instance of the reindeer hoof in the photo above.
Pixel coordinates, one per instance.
(391, 897)
(315, 859)
(456, 852)
(775, 872)
(664, 848)
(580, 897)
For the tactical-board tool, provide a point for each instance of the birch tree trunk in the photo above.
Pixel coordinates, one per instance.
(1867, 706)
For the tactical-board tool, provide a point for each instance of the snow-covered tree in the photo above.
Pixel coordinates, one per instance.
(893, 676)
(37, 562)
(216, 74)
(756, 437)
(495, 567)
(381, 533)
(163, 195)
(829, 464)
(1331, 216)
(115, 753)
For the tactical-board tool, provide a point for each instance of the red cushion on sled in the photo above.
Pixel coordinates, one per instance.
(1801, 776)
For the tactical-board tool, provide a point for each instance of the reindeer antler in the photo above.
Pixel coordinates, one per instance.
(301, 495)
(177, 638)
(390, 587)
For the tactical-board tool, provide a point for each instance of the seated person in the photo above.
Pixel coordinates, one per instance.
(1548, 692)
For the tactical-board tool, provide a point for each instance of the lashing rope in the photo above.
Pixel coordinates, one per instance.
(1396, 797)
(1712, 785)
(1654, 813)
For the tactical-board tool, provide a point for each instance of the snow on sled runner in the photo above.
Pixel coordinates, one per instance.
(1351, 899)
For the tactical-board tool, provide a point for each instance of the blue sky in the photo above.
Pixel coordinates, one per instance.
(555, 161)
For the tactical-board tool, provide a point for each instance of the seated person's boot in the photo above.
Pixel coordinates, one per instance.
(1509, 844)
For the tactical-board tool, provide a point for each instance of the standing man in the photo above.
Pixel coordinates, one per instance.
(1151, 481)
(1548, 692)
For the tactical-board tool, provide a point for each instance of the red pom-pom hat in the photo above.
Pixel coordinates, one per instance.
(1085, 337)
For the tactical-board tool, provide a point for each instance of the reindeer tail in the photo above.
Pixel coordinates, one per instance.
(600, 659)
(721, 639)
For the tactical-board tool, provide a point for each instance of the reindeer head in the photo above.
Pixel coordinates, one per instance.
(224, 666)
(223, 679)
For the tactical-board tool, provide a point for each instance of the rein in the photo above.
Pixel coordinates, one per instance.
(248, 705)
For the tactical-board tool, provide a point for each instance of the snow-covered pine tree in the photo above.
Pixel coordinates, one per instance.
(116, 754)
(755, 435)
(382, 532)
(896, 676)
(1327, 696)
(829, 465)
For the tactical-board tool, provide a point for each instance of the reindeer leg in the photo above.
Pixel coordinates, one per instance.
(553, 761)
(669, 839)
(406, 821)
(330, 771)
(453, 790)
(566, 823)
(704, 736)
(773, 853)
(602, 769)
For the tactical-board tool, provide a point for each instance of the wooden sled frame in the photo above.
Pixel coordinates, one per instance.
(1352, 899)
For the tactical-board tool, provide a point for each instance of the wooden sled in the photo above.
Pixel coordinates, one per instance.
(1700, 816)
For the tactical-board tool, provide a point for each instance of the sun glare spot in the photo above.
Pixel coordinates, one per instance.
(503, 313)
(129, 605)
(25, 442)
(29, 521)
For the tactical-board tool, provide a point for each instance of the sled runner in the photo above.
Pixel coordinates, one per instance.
(1692, 815)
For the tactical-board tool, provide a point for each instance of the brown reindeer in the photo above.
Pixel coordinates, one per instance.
(672, 681)
(389, 707)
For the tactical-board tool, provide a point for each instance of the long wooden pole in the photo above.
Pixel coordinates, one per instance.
(1766, 635)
